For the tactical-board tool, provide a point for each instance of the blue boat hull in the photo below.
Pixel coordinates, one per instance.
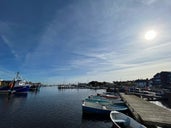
(21, 89)
(4, 88)
(91, 110)
(98, 108)
(18, 89)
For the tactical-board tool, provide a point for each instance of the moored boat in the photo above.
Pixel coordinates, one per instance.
(104, 101)
(101, 108)
(109, 96)
(101, 98)
(35, 87)
(16, 86)
(121, 120)
(4, 89)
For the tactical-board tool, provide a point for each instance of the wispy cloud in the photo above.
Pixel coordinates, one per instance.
(6, 74)
(100, 40)
(5, 30)
(8, 43)
(148, 2)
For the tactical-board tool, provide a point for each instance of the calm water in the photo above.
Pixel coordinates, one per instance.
(49, 108)
(163, 104)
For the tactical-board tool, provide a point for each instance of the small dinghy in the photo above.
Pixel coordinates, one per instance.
(101, 108)
(121, 120)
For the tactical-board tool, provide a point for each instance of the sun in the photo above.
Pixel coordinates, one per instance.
(150, 35)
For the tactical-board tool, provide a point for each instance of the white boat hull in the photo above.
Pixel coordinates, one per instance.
(118, 118)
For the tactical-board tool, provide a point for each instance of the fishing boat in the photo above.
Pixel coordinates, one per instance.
(16, 86)
(101, 107)
(121, 120)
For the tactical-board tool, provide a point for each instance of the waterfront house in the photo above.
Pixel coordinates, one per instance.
(162, 79)
(4, 82)
(141, 83)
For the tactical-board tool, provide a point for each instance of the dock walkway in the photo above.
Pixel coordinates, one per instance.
(148, 113)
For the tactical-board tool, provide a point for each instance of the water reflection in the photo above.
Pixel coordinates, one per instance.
(93, 120)
(35, 92)
(6, 98)
(95, 117)
(161, 104)
(49, 108)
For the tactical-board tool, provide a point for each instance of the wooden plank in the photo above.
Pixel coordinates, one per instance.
(147, 112)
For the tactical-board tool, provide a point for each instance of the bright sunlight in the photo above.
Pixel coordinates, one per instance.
(150, 35)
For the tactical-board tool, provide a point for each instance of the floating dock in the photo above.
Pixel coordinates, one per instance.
(146, 112)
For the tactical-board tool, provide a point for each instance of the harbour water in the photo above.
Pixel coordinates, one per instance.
(162, 104)
(49, 108)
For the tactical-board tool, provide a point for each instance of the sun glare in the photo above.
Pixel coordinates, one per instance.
(150, 35)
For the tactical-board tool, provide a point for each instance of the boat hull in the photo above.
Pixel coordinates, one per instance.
(21, 89)
(17, 85)
(98, 108)
(109, 96)
(91, 110)
(34, 88)
(18, 89)
(120, 118)
(4, 89)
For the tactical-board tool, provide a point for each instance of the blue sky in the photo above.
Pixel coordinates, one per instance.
(59, 41)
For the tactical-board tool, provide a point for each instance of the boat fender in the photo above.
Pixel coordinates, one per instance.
(11, 85)
(104, 107)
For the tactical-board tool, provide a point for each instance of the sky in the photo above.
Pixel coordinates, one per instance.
(70, 41)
